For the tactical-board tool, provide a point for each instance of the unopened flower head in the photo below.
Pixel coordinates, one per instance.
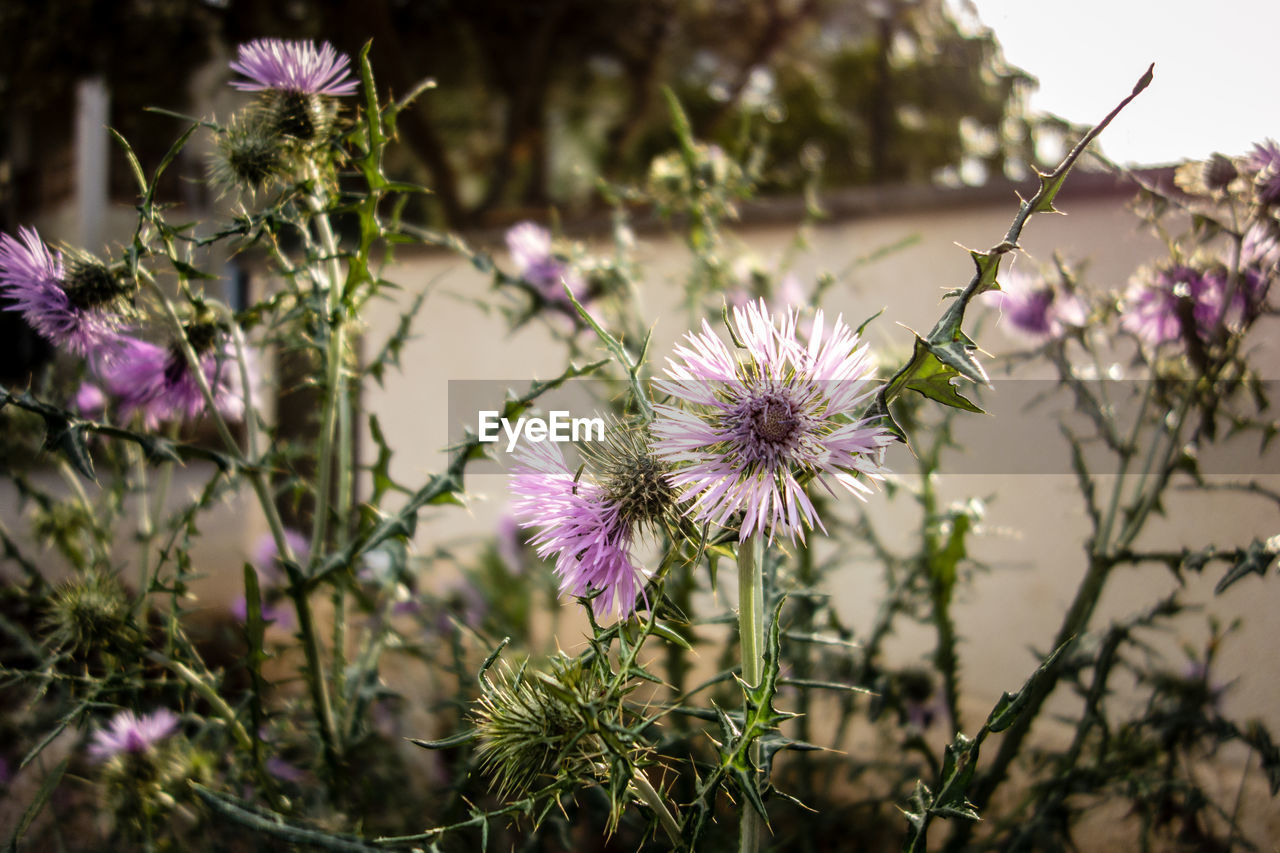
(88, 613)
(72, 299)
(250, 155)
(537, 263)
(128, 733)
(156, 382)
(532, 725)
(589, 521)
(766, 419)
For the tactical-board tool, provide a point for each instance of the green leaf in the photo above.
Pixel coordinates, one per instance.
(446, 743)
(1011, 704)
(134, 165)
(50, 782)
(934, 379)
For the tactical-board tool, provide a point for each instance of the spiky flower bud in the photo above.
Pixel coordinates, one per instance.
(634, 480)
(536, 726)
(1219, 172)
(302, 116)
(90, 612)
(250, 156)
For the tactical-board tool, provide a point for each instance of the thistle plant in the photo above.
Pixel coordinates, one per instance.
(263, 727)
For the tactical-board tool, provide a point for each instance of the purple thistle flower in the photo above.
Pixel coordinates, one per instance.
(1260, 247)
(266, 558)
(89, 401)
(580, 525)
(784, 413)
(536, 263)
(130, 733)
(1154, 309)
(69, 303)
(1264, 162)
(156, 382)
(1037, 313)
(293, 66)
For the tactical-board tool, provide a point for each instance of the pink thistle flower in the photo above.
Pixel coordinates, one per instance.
(1264, 162)
(293, 66)
(129, 733)
(766, 420)
(156, 382)
(1038, 313)
(71, 302)
(1154, 304)
(536, 263)
(589, 525)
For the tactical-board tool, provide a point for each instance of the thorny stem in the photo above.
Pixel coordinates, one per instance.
(751, 638)
(310, 642)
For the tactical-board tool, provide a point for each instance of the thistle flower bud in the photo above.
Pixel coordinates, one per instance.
(535, 725)
(90, 612)
(1219, 172)
(303, 116)
(634, 480)
(250, 155)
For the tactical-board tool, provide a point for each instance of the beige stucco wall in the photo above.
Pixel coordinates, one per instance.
(1035, 525)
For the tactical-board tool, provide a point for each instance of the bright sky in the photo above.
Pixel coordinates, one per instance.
(1215, 79)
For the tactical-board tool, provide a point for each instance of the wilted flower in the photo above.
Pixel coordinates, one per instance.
(536, 262)
(293, 66)
(72, 299)
(129, 733)
(156, 382)
(768, 421)
(589, 522)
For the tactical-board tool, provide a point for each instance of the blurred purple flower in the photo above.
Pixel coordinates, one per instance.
(765, 424)
(536, 263)
(1155, 305)
(293, 66)
(156, 383)
(67, 302)
(266, 558)
(89, 401)
(281, 616)
(1261, 247)
(1037, 312)
(579, 525)
(130, 733)
(510, 544)
(1264, 162)
(283, 770)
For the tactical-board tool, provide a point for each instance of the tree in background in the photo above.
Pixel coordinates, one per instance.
(539, 100)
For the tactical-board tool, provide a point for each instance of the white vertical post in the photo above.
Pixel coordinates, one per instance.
(92, 150)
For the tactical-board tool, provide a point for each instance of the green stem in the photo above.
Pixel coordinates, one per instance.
(334, 389)
(653, 800)
(751, 639)
(310, 642)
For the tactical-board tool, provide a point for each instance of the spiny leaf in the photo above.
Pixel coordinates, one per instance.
(935, 380)
(1256, 559)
